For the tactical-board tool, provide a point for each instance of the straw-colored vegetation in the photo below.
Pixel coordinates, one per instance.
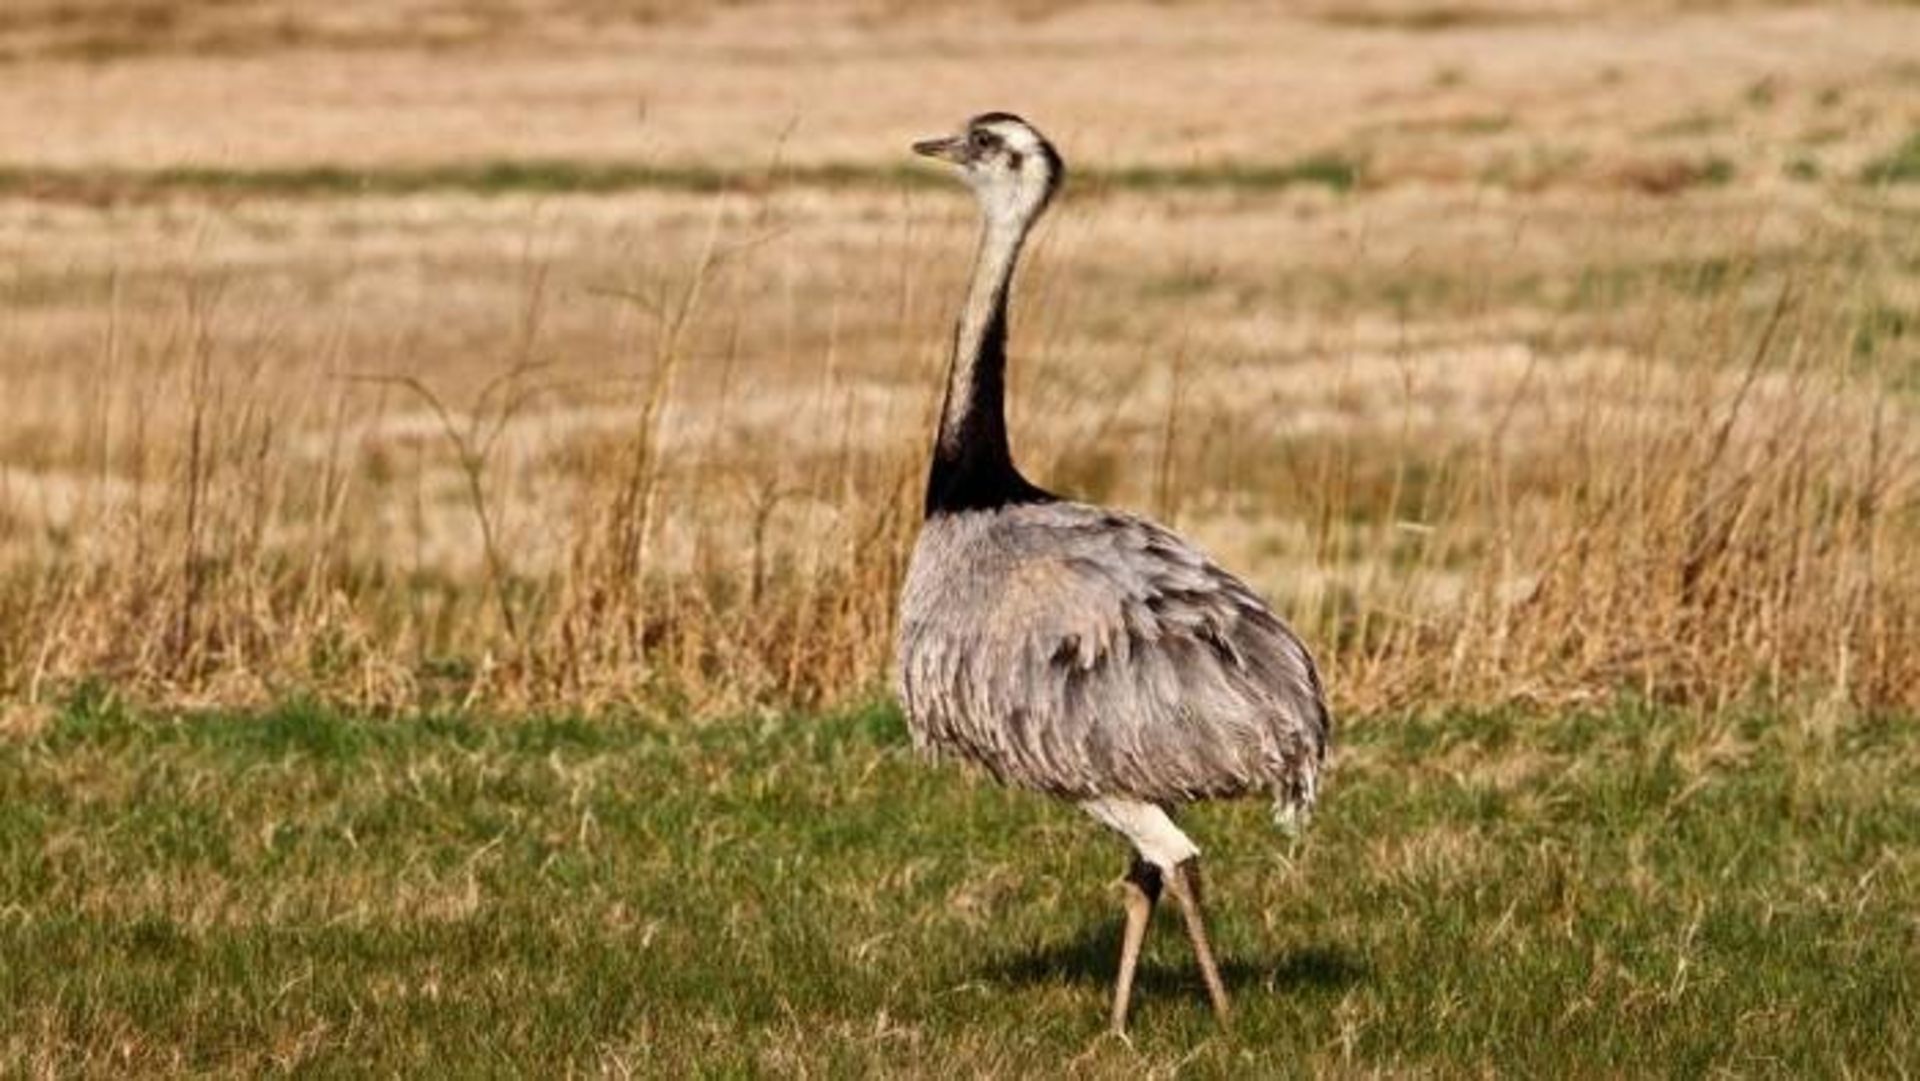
(392, 361)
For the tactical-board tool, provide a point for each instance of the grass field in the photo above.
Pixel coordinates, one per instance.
(457, 463)
(1633, 891)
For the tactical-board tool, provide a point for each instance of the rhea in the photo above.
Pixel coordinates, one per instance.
(1084, 652)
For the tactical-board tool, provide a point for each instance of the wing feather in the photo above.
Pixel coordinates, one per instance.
(1086, 652)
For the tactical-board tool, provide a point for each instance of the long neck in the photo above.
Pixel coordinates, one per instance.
(972, 463)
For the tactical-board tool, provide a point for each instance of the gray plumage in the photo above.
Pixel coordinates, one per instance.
(1085, 652)
(1082, 652)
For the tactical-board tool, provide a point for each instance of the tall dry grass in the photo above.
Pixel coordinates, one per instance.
(682, 465)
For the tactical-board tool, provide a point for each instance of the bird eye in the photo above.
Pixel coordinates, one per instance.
(980, 140)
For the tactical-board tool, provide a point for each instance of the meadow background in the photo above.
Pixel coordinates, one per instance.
(458, 461)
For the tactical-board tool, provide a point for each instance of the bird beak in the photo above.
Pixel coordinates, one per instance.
(948, 148)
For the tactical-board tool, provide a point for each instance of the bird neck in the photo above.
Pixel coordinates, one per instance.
(972, 463)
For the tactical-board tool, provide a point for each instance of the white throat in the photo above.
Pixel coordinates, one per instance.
(1001, 238)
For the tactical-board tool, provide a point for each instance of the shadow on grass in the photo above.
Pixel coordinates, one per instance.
(1094, 956)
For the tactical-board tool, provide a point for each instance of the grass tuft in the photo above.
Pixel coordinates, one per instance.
(1901, 166)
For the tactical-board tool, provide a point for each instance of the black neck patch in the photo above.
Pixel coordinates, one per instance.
(974, 470)
(953, 488)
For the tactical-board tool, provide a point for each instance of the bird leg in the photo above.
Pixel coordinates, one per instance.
(1184, 882)
(1141, 891)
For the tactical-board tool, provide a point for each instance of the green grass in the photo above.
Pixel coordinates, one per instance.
(548, 177)
(1900, 166)
(1326, 170)
(484, 178)
(1626, 892)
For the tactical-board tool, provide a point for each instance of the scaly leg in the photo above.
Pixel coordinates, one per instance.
(1141, 888)
(1184, 882)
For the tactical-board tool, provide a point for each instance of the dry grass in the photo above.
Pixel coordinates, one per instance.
(1579, 390)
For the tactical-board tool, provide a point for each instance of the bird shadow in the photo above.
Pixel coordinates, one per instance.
(1093, 956)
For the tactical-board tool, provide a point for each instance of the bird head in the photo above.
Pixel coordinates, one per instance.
(1010, 166)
